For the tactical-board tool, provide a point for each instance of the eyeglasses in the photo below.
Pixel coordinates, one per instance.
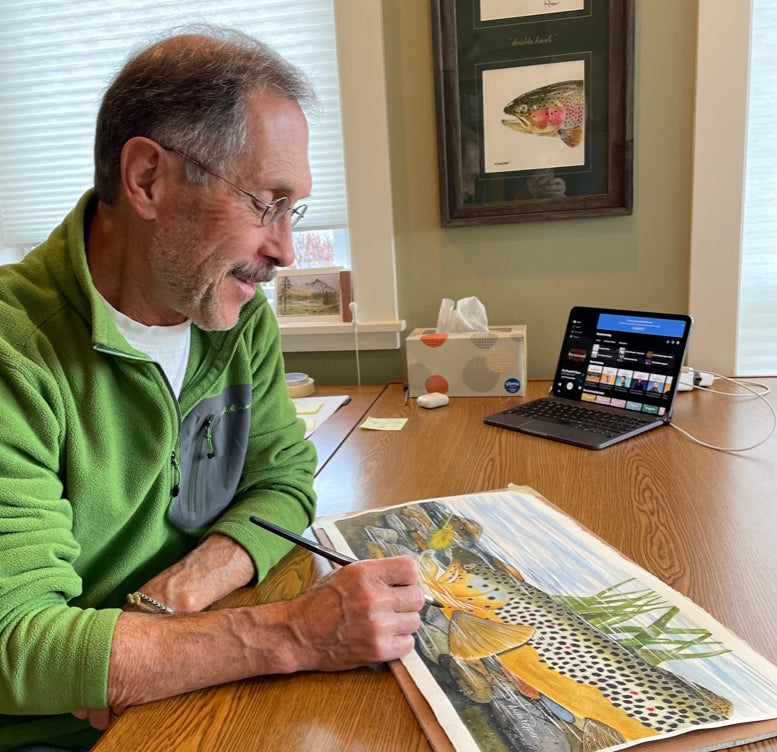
(270, 213)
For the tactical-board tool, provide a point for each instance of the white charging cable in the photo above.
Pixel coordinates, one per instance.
(750, 392)
(354, 317)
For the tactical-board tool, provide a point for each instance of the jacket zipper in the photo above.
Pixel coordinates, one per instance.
(176, 467)
(205, 437)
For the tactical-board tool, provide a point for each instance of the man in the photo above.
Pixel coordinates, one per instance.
(145, 413)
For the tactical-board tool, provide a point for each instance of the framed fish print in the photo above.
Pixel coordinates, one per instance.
(534, 109)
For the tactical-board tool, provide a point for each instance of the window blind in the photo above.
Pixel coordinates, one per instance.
(57, 59)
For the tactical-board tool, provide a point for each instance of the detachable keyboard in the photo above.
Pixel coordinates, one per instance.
(570, 414)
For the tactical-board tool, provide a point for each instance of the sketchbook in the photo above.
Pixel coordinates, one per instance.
(549, 640)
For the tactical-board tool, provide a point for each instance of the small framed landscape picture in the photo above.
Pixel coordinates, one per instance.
(310, 294)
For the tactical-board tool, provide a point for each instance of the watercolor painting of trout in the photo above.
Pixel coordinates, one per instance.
(533, 671)
(557, 109)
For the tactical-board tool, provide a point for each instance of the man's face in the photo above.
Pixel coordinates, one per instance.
(210, 249)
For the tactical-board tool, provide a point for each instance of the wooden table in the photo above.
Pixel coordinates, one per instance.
(703, 521)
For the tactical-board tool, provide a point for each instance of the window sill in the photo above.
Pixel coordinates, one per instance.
(323, 336)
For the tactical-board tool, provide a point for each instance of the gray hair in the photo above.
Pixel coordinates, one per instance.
(189, 92)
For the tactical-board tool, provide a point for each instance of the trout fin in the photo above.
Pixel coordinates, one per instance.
(523, 687)
(472, 637)
(505, 567)
(598, 735)
(571, 136)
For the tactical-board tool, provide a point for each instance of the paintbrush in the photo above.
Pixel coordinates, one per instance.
(317, 548)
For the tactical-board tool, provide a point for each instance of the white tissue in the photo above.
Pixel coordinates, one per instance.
(468, 315)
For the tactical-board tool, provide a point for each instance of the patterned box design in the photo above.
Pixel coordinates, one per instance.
(468, 364)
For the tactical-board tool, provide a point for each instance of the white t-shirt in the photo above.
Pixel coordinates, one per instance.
(167, 345)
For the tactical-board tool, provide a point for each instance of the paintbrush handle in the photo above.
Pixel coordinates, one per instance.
(317, 548)
(310, 545)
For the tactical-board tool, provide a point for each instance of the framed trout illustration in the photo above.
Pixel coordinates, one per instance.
(534, 109)
(545, 639)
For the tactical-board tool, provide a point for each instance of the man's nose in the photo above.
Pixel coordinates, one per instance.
(281, 242)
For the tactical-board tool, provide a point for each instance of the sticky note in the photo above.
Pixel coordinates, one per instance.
(308, 408)
(384, 424)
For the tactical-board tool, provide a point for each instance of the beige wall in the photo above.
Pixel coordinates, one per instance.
(532, 273)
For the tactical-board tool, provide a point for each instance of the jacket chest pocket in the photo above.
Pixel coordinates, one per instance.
(214, 438)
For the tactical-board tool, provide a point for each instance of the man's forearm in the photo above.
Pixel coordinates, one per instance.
(153, 657)
(363, 613)
(212, 570)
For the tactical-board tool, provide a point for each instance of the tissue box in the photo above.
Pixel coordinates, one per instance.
(468, 364)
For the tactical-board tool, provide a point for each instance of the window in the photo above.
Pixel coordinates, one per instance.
(733, 291)
(757, 344)
(78, 47)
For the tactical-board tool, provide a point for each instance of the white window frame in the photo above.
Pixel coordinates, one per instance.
(359, 28)
(722, 85)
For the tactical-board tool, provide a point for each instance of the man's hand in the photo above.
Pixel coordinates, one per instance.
(363, 613)
(99, 719)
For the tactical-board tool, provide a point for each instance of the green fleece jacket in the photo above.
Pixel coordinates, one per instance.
(106, 478)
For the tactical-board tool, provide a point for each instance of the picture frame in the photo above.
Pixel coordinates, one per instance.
(534, 106)
(315, 294)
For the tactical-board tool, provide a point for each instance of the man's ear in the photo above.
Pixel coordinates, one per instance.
(144, 168)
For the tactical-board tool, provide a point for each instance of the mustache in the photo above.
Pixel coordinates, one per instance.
(255, 273)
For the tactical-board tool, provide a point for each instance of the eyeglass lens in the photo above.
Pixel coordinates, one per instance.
(273, 212)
